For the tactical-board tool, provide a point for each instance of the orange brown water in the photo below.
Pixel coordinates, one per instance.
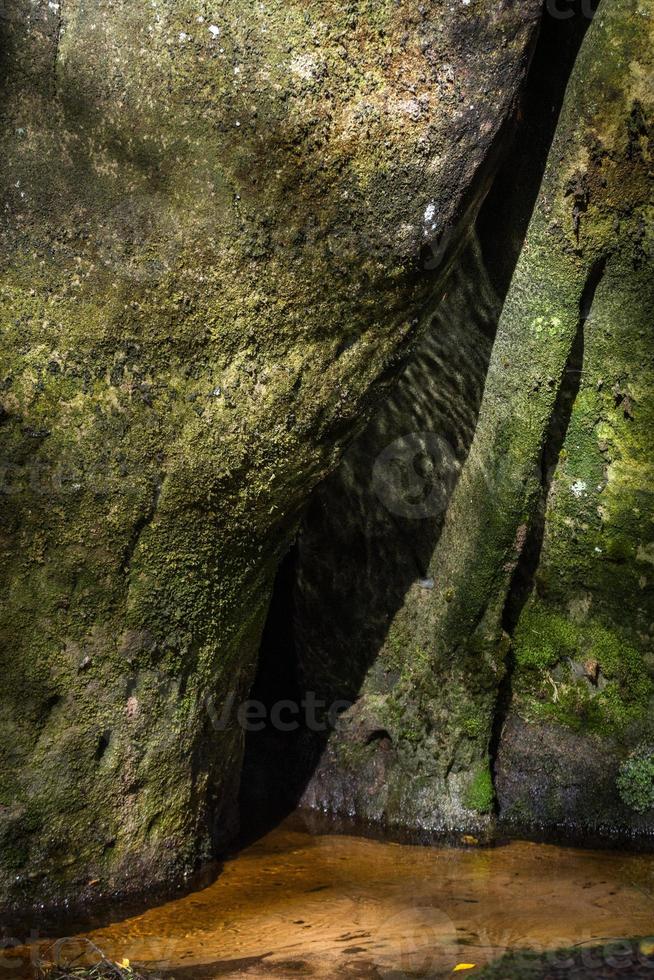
(331, 906)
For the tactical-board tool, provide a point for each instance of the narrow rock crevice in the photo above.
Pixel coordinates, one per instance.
(507, 211)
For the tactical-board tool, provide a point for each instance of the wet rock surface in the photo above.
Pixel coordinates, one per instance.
(550, 777)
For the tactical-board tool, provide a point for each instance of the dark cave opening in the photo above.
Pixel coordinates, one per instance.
(278, 757)
(350, 569)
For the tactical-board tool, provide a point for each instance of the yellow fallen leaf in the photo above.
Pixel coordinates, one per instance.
(647, 947)
(469, 839)
(124, 964)
(463, 966)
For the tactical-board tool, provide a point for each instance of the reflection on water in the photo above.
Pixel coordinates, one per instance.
(330, 906)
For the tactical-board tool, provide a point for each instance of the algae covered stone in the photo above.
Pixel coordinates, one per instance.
(532, 653)
(221, 228)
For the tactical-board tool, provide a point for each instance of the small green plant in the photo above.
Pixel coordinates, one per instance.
(480, 795)
(636, 781)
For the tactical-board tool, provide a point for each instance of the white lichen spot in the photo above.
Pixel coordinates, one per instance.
(411, 108)
(183, 36)
(303, 66)
(430, 220)
(54, 6)
(578, 489)
(214, 30)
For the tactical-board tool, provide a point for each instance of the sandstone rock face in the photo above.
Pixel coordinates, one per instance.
(581, 606)
(221, 227)
(518, 642)
(582, 658)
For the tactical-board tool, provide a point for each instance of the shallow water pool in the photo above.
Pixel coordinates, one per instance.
(296, 904)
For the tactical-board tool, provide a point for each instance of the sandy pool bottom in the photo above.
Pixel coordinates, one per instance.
(330, 906)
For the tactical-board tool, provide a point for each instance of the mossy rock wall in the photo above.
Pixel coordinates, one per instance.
(529, 650)
(212, 222)
(583, 653)
(581, 691)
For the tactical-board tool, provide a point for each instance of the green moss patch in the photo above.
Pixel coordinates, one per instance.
(583, 675)
(543, 638)
(636, 781)
(481, 795)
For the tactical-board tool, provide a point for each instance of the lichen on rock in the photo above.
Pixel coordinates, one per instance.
(533, 643)
(219, 236)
